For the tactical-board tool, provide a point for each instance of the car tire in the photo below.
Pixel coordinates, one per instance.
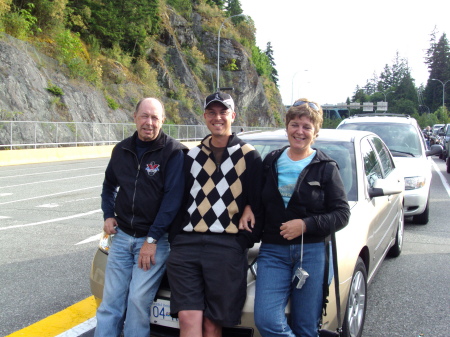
(396, 249)
(422, 219)
(448, 165)
(355, 313)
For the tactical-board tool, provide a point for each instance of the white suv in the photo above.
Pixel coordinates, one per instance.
(403, 136)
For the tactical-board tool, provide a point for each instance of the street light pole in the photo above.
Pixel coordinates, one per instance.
(443, 90)
(292, 88)
(218, 48)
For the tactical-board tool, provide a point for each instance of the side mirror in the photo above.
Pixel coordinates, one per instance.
(435, 150)
(383, 187)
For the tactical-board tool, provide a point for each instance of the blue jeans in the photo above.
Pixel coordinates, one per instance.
(276, 267)
(129, 289)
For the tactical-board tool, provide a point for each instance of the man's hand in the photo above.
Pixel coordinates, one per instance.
(147, 256)
(292, 229)
(247, 216)
(110, 226)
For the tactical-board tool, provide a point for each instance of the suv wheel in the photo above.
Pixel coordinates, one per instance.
(422, 219)
(356, 305)
(396, 249)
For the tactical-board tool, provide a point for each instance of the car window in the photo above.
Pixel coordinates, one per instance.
(372, 167)
(342, 152)
(401, 139)
(264, 147)
(383, 154)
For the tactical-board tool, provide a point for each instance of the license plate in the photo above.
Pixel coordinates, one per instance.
(160, 314)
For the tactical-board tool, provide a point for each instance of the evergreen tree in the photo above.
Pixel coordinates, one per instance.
(233, 7)
(219, 3)
(118, 22)
(386, 79)
(274, 72)
(438, 61)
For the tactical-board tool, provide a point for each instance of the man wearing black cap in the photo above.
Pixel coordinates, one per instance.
(207, 265)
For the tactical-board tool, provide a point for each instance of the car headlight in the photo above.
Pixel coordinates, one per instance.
(412, 183)
(105, 242)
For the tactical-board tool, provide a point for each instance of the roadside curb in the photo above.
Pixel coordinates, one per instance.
(61, 321)
(33, 156)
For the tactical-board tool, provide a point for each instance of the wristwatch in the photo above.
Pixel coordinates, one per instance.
(151, 240)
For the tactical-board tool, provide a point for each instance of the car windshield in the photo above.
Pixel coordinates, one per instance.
(401, 139)
(342, 152)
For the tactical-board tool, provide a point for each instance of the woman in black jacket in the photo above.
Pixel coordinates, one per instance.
(303, 195)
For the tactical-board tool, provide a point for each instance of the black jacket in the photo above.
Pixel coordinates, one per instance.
(319, 199)
(133, 190)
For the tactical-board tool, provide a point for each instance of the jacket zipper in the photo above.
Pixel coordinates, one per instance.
(135, 182)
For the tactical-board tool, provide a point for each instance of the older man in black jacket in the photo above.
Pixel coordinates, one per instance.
(142, 192)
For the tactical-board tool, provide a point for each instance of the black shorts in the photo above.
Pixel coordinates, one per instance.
(208, 272)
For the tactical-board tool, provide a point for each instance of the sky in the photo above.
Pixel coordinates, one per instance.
(323, 49)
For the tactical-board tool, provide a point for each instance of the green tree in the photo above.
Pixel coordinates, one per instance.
(261, 62)
(127, 23)
(274, 72)
(438, 62)
(394, 84)
(233, 7)
(219, 3)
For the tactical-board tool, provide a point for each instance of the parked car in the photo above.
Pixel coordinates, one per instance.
(446, 145)
(375, 192)
(405, 140)
(436, 127)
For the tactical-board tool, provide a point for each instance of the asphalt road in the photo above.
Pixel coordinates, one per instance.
(50, 219)
(47, 211)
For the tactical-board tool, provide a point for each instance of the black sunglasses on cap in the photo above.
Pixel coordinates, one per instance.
(311, 105)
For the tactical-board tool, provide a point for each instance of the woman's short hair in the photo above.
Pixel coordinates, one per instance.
(304, 107)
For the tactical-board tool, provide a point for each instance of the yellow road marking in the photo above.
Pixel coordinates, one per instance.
(61, 321)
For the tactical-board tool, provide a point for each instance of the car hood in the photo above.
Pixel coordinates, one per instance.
(413, 166)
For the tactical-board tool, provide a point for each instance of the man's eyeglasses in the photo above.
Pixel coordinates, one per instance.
(212, 114)
(311, 105)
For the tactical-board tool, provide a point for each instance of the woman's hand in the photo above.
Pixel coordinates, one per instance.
(246, 218)
(292, 229)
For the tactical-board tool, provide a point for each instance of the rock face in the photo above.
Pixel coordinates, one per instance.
(26, 74)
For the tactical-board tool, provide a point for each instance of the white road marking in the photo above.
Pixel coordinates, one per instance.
(5, 194)
(5, 217)
(444, 181)
(48, 195)
(48, 205)
(50, 172)
(92, 238)
(52, 220)
(66, 202)
(53, 180)
(80, 329)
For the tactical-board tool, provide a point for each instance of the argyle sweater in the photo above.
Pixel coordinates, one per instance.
(216, 196)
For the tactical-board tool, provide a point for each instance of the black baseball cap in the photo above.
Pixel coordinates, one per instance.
(221, 97)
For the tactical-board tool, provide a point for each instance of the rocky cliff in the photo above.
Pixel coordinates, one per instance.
(27, 74)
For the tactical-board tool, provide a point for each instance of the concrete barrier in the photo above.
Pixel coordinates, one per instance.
(33, 156)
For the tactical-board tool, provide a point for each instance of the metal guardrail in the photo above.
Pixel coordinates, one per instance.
(33, 134)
